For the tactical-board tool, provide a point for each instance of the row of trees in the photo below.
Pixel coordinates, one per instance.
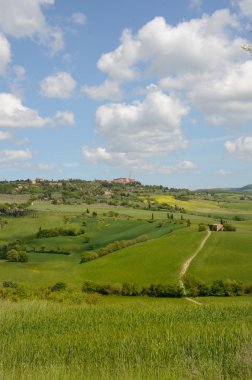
(112, 247)
(222, 288)
(130, 289)
(59, 231)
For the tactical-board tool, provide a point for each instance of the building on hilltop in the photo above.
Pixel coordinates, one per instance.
(124, 181)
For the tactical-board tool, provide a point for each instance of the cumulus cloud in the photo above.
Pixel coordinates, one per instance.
(14, 114)
(135, 133)
(26, 19)
(240, 148)
(11, 156)
(191, 46)
(199, 59)
(64, 118)
(78, 18)
(108, 90)
(224, 98)
(148, 127)
(5, 53)
(61, 85)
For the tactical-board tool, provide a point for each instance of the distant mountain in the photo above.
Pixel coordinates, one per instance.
(244, 189)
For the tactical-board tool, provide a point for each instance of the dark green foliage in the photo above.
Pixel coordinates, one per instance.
(87, 256)
(219, 288)
(101, 288)
(130, 289)
(58, 287)
(202, 227)
(161, 290)
(59, 231)
(229, 227)
(10, 284)
(17, 256)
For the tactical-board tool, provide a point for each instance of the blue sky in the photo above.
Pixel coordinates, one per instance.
(160, 91)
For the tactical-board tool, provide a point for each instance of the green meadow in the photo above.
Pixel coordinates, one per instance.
(71, 334)
(114, 339)
(227, 255)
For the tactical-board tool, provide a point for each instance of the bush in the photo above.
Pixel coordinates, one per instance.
(10, 284)
(229, 227)
(129, 289)
(88, 256)
(58, 287)
(202, 227)
(16, 256)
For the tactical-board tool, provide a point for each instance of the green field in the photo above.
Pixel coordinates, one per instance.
(69, 334)
(151, 339)
(227, 255)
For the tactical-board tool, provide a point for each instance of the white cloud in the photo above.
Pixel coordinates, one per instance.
(11, 156)
(246, 7)
(225, 98)
(20, 19)
(137, 163)
(64, 118)
(135, 133)
(200, 60)
(78, 18)
(108, 90)
(191, 46)
(4, 135)
(61, 85)
(149, 127)
(240, 148)
(14, 114)
(5, 53)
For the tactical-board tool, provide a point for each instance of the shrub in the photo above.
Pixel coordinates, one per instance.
(130, 289)
(16, 256)
(248, 289)
(202, 227)
(58, 287)
(88, 256)
(229, 227)
(10, 284)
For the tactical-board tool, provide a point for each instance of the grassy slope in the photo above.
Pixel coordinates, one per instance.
(227, 255)
(154, 261)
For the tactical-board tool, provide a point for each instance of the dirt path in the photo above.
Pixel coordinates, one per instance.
(186, 265)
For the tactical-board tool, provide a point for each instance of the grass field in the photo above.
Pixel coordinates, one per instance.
(156, 261)
(151, 339)
(227, 255)
(127, 338)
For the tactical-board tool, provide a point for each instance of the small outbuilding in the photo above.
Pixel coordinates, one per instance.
(216, 227)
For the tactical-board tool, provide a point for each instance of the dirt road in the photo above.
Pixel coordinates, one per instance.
(187, 263)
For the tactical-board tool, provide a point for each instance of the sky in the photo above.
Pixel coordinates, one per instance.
(160, 91)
